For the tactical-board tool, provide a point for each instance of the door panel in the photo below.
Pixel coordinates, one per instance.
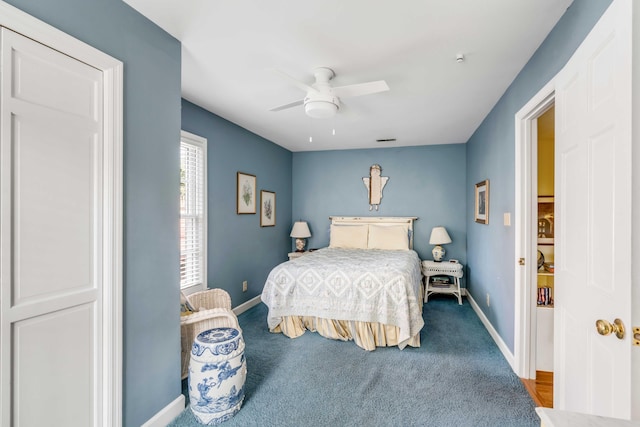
(602, 375)
(54, 206)
(571, 373)
(53, 361)
(593, 219)
(602, 215)
(76, 92)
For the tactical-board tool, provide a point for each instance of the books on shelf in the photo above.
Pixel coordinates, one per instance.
(440, 281)
(545, 296)
(440, 285)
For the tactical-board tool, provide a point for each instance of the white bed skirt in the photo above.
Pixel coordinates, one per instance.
(366, 335)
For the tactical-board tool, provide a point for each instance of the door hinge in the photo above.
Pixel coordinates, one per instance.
(521, 261)
(636, 336)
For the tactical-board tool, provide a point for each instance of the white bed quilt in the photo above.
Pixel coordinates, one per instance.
(349, 284)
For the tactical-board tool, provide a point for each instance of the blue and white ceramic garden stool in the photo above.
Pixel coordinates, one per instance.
(217, 372)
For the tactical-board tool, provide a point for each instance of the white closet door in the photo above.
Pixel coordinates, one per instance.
(51, 227)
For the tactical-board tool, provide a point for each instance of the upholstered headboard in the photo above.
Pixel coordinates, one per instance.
(376, 220)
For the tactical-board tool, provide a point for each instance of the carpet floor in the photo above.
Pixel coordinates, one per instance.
(458, 377)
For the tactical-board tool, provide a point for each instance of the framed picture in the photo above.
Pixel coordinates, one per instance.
(546, 226)
(267, 208)
(481, 213)
(246, 194)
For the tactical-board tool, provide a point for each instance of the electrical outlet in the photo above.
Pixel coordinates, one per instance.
(488, 300)
(245, 286)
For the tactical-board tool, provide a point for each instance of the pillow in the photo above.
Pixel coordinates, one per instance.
(185, 305)
(394, 237)
(348, 236)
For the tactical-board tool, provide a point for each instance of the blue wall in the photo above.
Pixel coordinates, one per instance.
(491, 155)
(151, 174)
(239, 249)
(427, 182)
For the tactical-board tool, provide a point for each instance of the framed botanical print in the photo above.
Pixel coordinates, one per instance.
(267, 208)
(246, 194)
(481, 214)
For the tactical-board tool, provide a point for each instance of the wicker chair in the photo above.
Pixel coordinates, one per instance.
(213, 311)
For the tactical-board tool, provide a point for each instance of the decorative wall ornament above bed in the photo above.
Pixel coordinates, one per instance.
(375, 183)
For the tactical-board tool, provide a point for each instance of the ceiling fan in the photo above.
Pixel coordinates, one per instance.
(323, 100)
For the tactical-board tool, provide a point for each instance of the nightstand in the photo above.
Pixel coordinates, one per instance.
(445, 268)
(294, 255)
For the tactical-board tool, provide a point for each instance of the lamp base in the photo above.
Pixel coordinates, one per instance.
(300, 245)
(438, 253)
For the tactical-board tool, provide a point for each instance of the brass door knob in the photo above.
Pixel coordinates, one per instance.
(605, 328)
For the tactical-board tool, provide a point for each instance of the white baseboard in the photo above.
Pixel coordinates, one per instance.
(494, 334)
(247, 305)
(167, 414)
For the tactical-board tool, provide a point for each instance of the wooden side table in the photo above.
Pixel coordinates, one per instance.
(446, 268)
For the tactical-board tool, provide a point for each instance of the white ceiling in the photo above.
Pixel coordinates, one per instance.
(231, 47)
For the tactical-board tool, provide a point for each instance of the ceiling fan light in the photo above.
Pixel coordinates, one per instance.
(320, 109)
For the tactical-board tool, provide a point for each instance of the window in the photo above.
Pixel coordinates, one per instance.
(193, 212)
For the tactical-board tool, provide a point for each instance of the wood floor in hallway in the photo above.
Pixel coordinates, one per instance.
(541, 389)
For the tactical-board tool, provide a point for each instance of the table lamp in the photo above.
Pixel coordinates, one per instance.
(300, 231)
(439, 236)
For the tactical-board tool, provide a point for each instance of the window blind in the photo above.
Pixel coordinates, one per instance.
(192, 213)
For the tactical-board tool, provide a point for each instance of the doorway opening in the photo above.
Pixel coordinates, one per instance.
(541, 387)
(534, 222)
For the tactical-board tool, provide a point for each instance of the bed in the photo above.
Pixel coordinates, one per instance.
(365, 286)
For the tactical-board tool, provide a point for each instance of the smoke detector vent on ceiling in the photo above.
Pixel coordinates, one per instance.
(386, 140)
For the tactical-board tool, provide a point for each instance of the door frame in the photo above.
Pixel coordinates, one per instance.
(112, 71)
(526, 176)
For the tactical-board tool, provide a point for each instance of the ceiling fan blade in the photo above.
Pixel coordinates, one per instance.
(289, 105)
(305, 87)
(360, 89)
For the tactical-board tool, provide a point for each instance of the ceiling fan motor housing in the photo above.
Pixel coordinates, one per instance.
(321, 106)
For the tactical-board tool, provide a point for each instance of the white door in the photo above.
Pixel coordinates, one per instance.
(51, 218)
(593, 232)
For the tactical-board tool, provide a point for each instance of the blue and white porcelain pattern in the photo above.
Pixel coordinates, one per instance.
(217, 373)
(438, 253)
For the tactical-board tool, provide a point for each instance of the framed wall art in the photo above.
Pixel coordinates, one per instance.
(546, 226)
(267, 208)
(481, 214)
(246, 194)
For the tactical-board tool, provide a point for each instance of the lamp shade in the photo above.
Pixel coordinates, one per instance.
(300, 230)
(439, 236)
